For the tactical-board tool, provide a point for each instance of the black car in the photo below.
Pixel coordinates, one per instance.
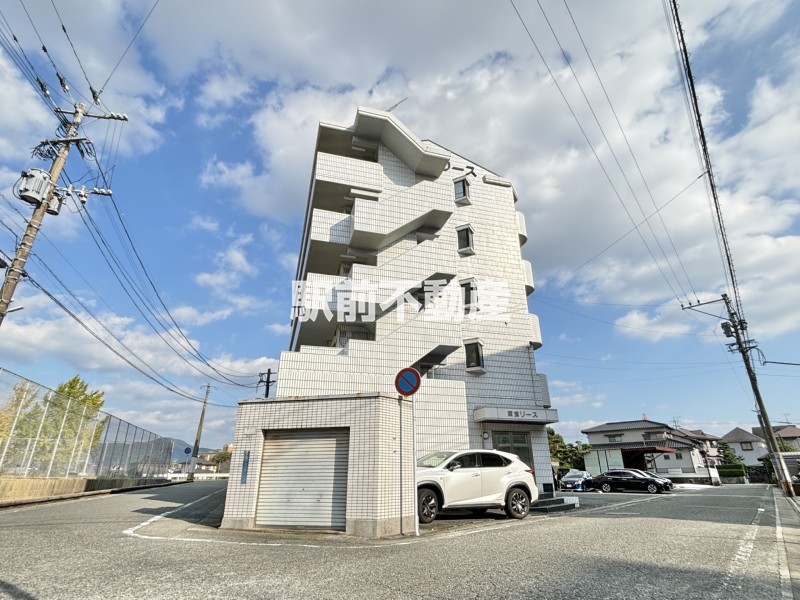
(620, 480)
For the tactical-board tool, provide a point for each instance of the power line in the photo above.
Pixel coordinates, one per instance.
(592, 148)
(135, 35)
(630, 231)
(114, 350)
(628, 144)
(611, 148)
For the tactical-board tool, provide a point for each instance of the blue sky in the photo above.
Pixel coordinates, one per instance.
(211, 180)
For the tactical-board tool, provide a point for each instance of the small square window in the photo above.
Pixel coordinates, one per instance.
(474, 352)
(469, 294)
(461, 191)
(666, 457)
(465, 240)
(747, 445)
(679, 456)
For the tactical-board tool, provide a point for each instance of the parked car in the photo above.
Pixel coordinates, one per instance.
(626, 480)
(476, 480)
(668, 485)
(575, 480)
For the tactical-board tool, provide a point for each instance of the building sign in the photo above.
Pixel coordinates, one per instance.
(516, 414)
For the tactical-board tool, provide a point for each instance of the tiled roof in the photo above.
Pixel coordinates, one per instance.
(697, 434)
(652, 445)
(737, 434)
(781, 431)
(625, 426)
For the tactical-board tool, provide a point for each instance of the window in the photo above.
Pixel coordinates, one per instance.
(493, 460)
(469, 295)
(474, 352)
(747, 445)
(467, 461)
(615, 438)
(465, 238)
(666, 457)
(461, 191)
(679, 456)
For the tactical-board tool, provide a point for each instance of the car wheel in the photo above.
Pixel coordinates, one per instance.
(428, 505)
(653, 488)
(518, 503)
(606, 487)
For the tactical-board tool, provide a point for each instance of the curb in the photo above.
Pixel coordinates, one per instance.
(46, 499)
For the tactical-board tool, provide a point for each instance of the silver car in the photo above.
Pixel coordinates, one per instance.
(476, 480)
(575, 481)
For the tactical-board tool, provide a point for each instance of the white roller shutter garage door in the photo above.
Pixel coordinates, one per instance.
(304, 479)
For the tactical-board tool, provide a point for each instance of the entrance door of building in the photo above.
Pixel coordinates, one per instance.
(515, 442)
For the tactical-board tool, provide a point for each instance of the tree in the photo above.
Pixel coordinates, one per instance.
(727, 456)
(569, 456)
(784, 446)
(219, 458)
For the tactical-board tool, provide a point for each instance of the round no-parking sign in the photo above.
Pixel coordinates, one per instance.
(407, 381)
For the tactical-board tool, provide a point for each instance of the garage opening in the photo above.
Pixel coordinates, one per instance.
(303, 479)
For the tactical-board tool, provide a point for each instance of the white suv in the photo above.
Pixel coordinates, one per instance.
(476, 480)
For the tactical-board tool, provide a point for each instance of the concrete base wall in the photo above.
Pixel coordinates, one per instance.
(29, 488)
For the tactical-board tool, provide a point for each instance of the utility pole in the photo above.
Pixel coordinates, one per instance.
(44, 193)
(734, 328)
(267, 381)
(196, 449)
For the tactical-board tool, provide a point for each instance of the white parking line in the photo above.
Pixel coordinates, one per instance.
(132, 531)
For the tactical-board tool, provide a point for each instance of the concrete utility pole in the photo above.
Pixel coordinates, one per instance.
(733, 328)
(196, 449)
(17, 268)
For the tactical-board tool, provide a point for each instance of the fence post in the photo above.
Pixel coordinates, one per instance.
(14, 424)
(58, 439)
(89, 449)
(38, 432)
(75, 443)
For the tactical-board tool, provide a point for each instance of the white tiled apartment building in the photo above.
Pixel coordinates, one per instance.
(411, 256)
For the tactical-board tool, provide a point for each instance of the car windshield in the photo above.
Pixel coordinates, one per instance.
(434, 459)
(574, 476)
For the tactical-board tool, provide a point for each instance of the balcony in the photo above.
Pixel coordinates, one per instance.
(522, 229)
(527, 270)
(331, 227)
(535, 333)
(423, 206)
(349, 172)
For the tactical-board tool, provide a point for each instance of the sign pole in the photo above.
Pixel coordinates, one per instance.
(407, 383)
(414, 460)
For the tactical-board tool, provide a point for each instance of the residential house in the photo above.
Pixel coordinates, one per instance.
(790, 434)
(680, 454)
(747, 446)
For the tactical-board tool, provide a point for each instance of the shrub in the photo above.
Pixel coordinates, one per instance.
(732, 470)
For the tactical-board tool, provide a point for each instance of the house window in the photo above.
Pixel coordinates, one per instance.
(747, 445)
(469, 295)
(666, 457)
(474, 356)
(679, 456)
(465, 239)
(615, 438)
(461, 191)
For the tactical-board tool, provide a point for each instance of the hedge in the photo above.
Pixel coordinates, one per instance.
(732, 470)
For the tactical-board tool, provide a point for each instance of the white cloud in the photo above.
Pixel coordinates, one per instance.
(653, 328)
(204, 223)
(280, 328)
